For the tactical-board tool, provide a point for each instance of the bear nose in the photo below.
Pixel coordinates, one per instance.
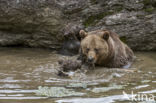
(90, 59)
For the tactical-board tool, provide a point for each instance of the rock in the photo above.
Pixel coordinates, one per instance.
(70, 47)
(69, 65)
(30, 23)
(40, 23)
(71, 42)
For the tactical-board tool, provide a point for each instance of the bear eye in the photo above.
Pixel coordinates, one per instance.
(96, 50)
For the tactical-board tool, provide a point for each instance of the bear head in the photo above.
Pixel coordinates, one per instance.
(94, 45)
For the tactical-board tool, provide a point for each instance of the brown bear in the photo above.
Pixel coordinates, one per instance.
(104, 48)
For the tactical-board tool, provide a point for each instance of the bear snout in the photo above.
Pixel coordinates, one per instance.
(90, 59)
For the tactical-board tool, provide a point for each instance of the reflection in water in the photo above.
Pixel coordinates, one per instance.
(22, 70)
(21, 98)
(141, 86)
(150, 91)
(109, 99)
(17, 91)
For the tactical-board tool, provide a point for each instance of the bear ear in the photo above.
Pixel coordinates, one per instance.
(82, 34)
(105, 35)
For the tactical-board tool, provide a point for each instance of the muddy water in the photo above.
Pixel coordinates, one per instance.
(22, 70)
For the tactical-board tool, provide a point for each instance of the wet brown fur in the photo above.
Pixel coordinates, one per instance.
(114, 53)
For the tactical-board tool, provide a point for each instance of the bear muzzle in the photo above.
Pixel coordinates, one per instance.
(91, 62)
(90, 59)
